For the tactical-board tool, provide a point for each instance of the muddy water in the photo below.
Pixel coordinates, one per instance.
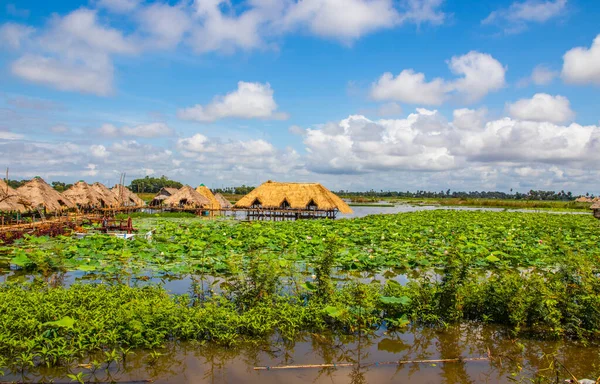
(373, 359)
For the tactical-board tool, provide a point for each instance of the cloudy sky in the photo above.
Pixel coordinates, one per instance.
(357, 94)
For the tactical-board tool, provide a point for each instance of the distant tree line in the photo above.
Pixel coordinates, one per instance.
(241, 190)
(153, 184)
(531, 195)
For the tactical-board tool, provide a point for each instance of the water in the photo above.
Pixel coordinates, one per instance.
(373, 359)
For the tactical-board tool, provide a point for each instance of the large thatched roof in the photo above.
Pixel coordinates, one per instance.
(204, 191)
(295, 195)
(40, 194)
(187, 197)
(595, 206)
(583, 199)
(84, 195)
(10, 200)
(126, 197)
(223, 202)
(107, 194)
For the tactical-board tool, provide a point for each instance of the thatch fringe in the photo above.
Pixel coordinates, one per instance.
(108, 196)
(40, 194)
(204, 191)
(223, 202)
(276, 195)
(127, 198)
(187, 197)
(11, 201)
(86, 196)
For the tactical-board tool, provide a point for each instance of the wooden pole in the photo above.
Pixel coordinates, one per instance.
(400, 362)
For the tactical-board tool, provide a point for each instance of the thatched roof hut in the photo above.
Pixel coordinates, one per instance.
(11, 201)
(300, 196)
(583, 199)
(86, 196)
(162, 195)
(596, 208)
(126, 197)
(204, 191)
(108, 195)
(40, 194)
(223, 202)
(187, 197)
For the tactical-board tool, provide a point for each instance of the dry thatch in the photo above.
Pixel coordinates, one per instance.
(40, 194)
(109, 196)
(595, 206)
(583, 199)
(126, 197)
(162, 195)
(86, 196)
(11, 201)
(204, 191)
(187, 197)
(223, 202)
(276, 195)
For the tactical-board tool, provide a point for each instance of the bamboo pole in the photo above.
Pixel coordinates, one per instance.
(400, 362)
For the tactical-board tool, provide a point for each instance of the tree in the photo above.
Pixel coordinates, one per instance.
(153, 184)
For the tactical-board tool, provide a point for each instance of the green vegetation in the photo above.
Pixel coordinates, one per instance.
(166, 214)
(534, 273)
(153, 184)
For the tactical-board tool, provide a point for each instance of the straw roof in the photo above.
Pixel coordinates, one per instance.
(595, 206)
(40, 194)
(187, 197)
(85, 195)
(204, 191)
(126, 197)
(10, 200)
(583, 199)
(107, 194)
(223, 202)
(297, 195)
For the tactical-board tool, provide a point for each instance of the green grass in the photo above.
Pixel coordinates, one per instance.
(497, 203)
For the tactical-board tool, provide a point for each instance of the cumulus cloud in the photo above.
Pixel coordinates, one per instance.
(541, 75)
(481, 74)
(542, 107)
(516, 18)
(142, 130)
(248, 101)
(581, 65)
(165, 24)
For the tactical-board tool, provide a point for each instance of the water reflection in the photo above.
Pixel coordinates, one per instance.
(372, 358)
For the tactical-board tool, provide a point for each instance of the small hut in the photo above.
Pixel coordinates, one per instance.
(162, 195)
(42, 195)
(596, 208)
(291, 201)
(583, 199)
(11, 201)
(204, 191)
(187, 198)
(223, 202)
(88, 197)
(126, 197)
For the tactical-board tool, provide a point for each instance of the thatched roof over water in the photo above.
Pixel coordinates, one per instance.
(187, 197)
(223, 202)
(126, 197)
(40, 194)
(204, 191)
(11, 201)
(296, 195)
(84, 195)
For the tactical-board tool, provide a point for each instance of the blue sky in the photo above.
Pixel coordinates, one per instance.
(357, 94)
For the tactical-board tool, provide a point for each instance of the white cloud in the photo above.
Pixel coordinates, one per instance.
(65, 76)
(543, 108)
(142, 130)
(99, 151)
(582, 65)
(389, 109)
(469, 119)
(409, 87)
(519, 14)
(165, 24)
(119, 6)
(249, 101)
(543, 75)
(148, 130)
(7, 135)
(15, 35)
(481, 74)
